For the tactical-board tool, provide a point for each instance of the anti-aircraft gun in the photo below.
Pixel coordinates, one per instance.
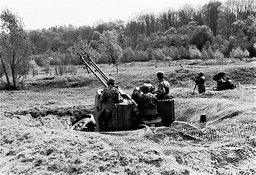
(124, 115)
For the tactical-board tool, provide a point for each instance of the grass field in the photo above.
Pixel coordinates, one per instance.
(44, 143)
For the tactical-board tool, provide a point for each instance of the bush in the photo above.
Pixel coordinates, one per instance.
(194, 53)
(207, 53)
(252, 47)
(55, 60)
(183, 53)
(128, 55)
(66, 59)
(202, 36)
(173, 53)
(150, 51)
(104, 58)
(141, 56)
(41, 60)
(239, 53)
(218, 55)
(158, 55)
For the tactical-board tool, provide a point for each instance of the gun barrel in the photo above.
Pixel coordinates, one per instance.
(99, 78)
(104, 78)
(97, 67)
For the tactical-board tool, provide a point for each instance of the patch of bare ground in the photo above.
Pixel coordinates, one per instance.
(36, 135)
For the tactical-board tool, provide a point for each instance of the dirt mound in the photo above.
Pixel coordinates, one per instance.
(215, 109)
(73, 114)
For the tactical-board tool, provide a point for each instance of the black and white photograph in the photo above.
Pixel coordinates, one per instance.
(127, 87)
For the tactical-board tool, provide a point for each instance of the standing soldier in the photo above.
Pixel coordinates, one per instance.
(200, 80)
(109, 97)
(163, 87)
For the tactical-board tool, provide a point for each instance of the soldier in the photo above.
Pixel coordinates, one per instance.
(147, 103)
(111, 93)
(147, 99)
(109, 96)
(229, 84)
(163, 87)
(221, 83)
(200, 80)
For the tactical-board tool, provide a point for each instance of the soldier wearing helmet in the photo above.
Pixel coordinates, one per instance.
(111, 93)
(163, 86)
(200, 80)
(147, 99)
(147, 103)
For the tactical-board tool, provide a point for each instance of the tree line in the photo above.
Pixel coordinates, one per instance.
(213, 31)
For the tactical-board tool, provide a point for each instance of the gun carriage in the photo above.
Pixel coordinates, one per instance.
(124, 115)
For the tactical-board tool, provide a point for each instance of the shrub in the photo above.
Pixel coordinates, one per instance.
(103, 58)
(203, 35)
(55, 60)
(252, 47)
(150, 51)
(194, 53)
(41, 60)
(239, 53)
(218, 55)
(128, 55)
(66, 59)
(207, 53)
(176, 53)
(183, 53)
(158, 55)
(141, 56)
(173, 53)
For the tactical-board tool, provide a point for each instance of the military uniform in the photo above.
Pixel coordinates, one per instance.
(148, 101)
(163, 90)
(200, 84)
(147, 105)
(221, 84)
(111, 94)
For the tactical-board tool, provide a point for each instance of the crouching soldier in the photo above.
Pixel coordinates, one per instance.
(229, 84)
(147, 104)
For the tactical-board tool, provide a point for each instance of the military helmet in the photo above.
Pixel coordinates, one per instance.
(201, 73)
(145, 88)
(160, 75)
(111, 81)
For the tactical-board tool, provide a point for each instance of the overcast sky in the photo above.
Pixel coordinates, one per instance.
(38, 14)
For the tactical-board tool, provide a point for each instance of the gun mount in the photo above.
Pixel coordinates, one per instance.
(123, 115)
